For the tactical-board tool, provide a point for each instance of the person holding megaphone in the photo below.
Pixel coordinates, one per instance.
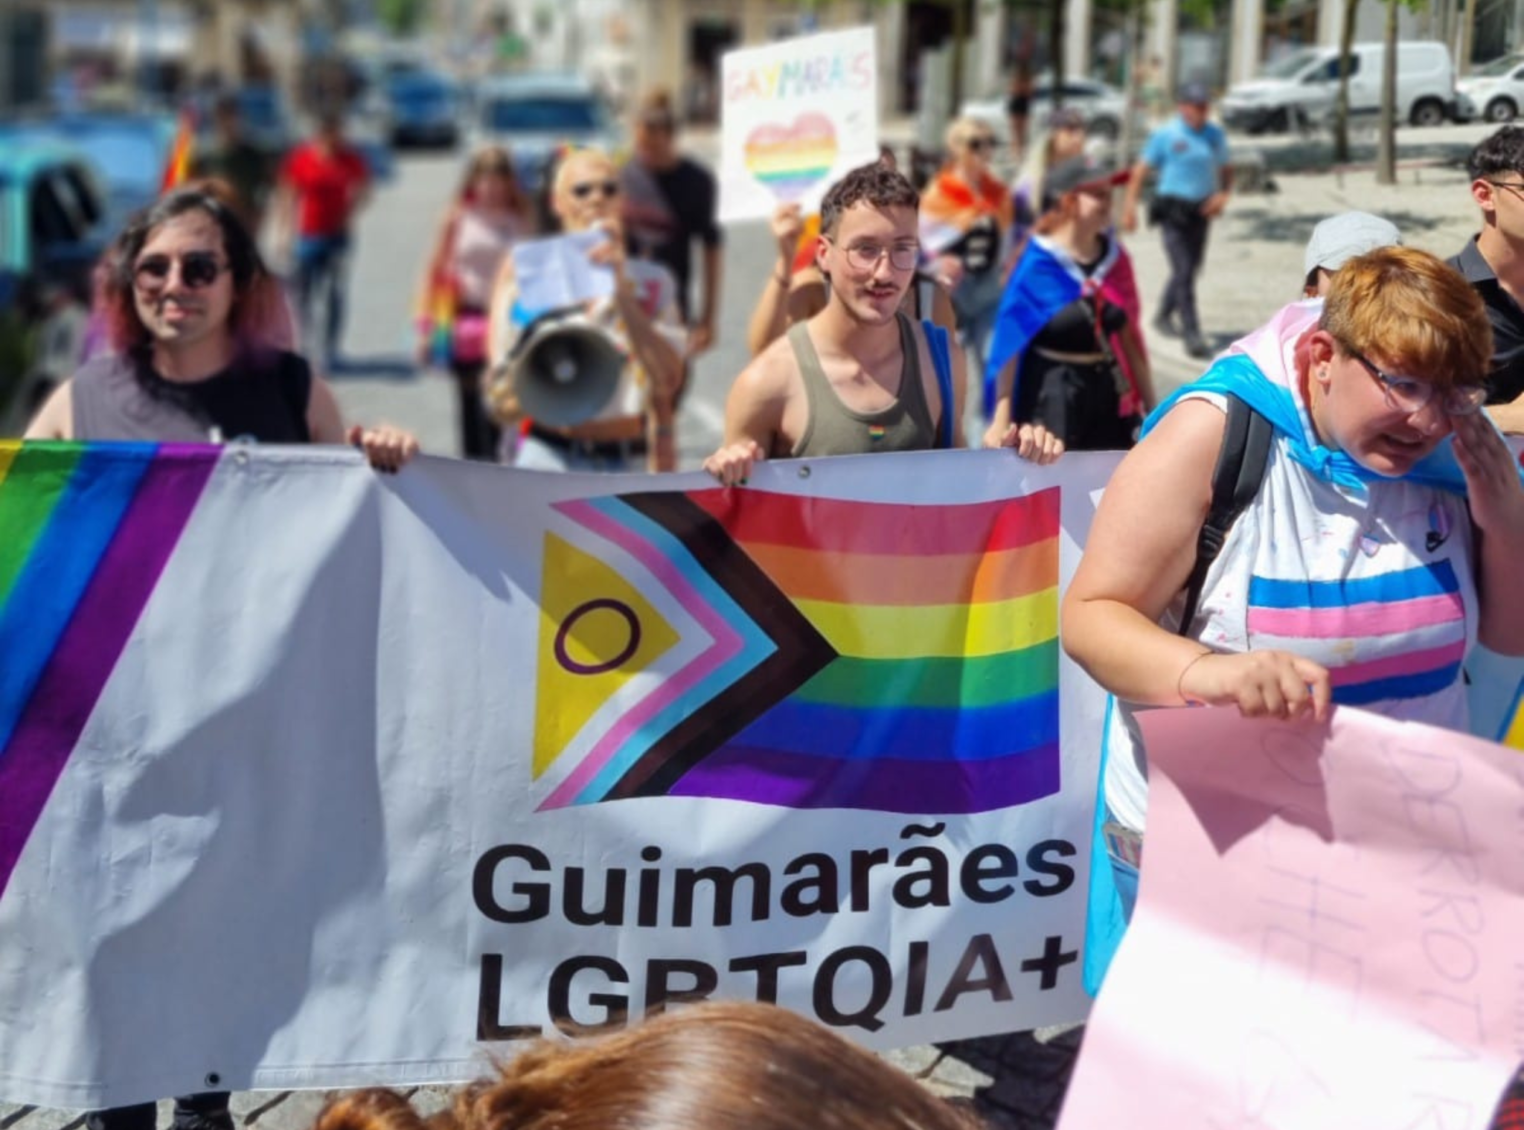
(590, 387)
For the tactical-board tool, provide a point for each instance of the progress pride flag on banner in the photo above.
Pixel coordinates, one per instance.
(1327, 936)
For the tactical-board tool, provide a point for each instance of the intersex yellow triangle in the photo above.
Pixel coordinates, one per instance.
(1514, 739)
(596, 633)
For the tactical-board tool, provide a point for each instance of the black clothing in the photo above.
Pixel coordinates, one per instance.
(665, 210)
(243, 165)
(1505, 382)
(205, 1111)
(258, 397)
(1077, 401)
(1184, 229)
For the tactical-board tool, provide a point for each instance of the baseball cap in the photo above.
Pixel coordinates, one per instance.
(1338, 239)
(1076, 172)
(1194, 94)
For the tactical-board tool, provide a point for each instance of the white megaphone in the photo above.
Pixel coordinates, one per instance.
(565, 368)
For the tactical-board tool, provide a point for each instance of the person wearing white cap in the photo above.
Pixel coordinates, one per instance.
(1337, 240)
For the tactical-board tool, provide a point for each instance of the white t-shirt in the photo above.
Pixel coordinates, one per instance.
(1376, 584)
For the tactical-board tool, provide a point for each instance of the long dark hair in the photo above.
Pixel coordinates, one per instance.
(258, 313)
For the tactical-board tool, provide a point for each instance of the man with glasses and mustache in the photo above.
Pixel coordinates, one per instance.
(859, 376)
(635, 429)
(1493, 263)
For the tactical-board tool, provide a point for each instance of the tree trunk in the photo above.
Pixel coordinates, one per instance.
(1132, 55)
(1467, 30)
(1341, 107)
(955, 77)
(1386, 147)
(1056, 15)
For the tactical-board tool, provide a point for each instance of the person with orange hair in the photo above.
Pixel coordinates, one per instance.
(1381, 543)
(710, 1066)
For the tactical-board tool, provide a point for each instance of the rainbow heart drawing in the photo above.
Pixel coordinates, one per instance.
(789, 159)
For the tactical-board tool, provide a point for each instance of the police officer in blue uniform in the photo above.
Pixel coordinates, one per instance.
(1189, 154)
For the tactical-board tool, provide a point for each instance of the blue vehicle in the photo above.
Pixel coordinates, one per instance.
(52, 233)
(128, 150)
(422, 108)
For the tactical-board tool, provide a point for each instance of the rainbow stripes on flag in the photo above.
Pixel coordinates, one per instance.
(85, 532)
(943, 697)
(1422, 604)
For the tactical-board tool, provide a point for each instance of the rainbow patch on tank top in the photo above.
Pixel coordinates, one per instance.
(1404, 632)
(876, 432)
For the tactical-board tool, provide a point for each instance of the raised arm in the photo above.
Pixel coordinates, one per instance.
(769, 318)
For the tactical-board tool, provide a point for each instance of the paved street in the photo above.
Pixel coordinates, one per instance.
(1254, 265)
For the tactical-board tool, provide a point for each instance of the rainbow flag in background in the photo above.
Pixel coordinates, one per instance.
(85, 531)
(177, 168)
(891, 657)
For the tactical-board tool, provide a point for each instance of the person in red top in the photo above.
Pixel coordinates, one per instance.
(323, 184)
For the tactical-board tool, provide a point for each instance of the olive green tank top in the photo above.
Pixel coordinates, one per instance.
(834, 429)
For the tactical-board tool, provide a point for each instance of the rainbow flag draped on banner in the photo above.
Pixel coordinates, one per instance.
(84, 533)
(900, 658)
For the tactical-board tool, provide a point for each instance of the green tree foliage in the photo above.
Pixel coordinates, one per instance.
(401, 17)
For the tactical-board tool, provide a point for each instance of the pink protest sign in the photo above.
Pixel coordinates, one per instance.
(1328, 935)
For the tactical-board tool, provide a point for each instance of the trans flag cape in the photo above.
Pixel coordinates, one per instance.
(1260, 369)
(1046, 280)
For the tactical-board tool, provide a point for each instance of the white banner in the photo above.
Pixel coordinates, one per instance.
(311, 777)
(795, 116)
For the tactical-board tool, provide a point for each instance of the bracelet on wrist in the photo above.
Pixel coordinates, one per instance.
(1180, 682)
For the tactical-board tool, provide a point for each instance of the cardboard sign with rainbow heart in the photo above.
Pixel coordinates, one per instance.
(795, 116)
(790, 159)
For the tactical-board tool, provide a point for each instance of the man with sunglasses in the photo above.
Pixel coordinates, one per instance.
(635, 430)
(1493, 263)
(859, 377)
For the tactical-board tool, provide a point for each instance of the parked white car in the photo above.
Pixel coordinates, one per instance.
(1302, 87)
(1104, 108)
(1496, 90)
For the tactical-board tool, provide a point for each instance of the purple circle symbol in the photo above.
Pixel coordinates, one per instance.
(630, 647)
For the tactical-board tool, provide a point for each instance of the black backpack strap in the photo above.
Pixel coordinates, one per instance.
(1235, 481)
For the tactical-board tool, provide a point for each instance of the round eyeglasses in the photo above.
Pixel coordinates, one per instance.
(1413, 395)
(902, 256)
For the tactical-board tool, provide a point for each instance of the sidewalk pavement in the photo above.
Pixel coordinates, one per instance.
(1253, 266)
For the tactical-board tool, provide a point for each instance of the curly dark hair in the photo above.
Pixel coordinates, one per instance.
(1503, 152)
(874, 184)
(254, 288)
